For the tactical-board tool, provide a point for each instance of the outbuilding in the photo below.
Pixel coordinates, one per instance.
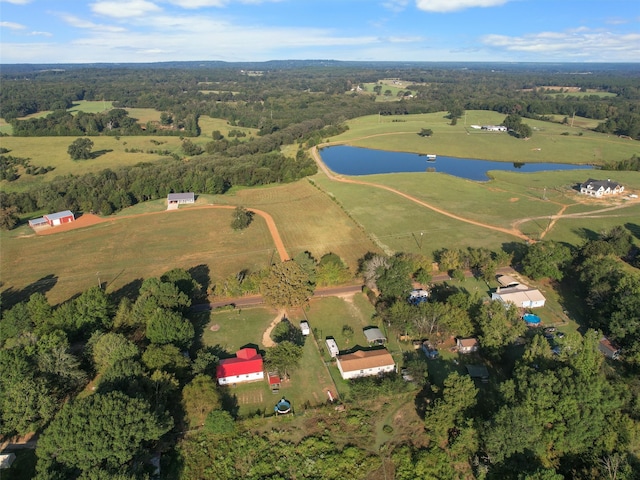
(332, 346)
(246, 366)
(467, 345)
(59, 218)
(374, 335)
(175, 199)
(304, 327)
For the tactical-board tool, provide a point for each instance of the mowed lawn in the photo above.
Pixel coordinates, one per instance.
(125, 249)
(235, 329)
(547, 144)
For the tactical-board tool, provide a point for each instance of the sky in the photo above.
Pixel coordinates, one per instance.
(125, 31)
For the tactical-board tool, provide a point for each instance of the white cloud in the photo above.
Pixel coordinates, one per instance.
(12, 26)
(41, 34)
(444, 6)
(395, 5)
(124, 9)
(579, 43)
(16, 2)
(85, 24)
(198, 3)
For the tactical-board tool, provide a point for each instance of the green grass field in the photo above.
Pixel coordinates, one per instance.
(209, 124)
(547, 143)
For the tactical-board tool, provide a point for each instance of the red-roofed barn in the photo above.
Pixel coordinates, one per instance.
(245, 367)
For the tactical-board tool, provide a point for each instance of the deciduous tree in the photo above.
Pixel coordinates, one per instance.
(287, 285)
(80, 149)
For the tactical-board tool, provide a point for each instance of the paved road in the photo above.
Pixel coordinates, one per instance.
(255, 300)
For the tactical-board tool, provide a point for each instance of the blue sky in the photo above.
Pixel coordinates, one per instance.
(76, 31)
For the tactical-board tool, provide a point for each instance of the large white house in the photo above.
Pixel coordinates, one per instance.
(600, 188)
(364, 363)
(521, 296)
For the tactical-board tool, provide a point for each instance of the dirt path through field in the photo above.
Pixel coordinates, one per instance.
(266, 336)
(90, 219)
(337, 178)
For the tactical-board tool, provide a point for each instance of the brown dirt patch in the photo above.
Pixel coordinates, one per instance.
(514, 199)
(215, 327)
(85, 220)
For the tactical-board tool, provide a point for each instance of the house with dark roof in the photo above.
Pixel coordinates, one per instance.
(601, 188)
(365, 363)
(246, 366)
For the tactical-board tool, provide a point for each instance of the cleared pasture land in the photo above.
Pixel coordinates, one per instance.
(52, 151)
(547, 144)
(209, 124)
(127, 249)
(308, 220)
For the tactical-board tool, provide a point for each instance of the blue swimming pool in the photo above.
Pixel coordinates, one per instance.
(531, 319)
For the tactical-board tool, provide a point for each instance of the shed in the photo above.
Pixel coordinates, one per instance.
(507, 281)
(181, 198)
(59, 218)
(418, 296)
(38, 222)
(304, 326)
(6, 460)
(478, 371)
(374, 335)
(608, 349)
(332, 346)
(274, 381)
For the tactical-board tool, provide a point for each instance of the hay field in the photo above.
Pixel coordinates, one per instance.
(547, 144)
(125, 249)
(209, 124)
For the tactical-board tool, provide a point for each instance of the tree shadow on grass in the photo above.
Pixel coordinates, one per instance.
(99, 153)
(201, 274)
(11, 296)
(130, 291)
(634, 228)
(586, 233)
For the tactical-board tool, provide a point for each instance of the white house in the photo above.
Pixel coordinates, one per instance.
(520, 295)
(467, 345)
(494, 128)
(364, 363)
(600, 188)
(175, 199)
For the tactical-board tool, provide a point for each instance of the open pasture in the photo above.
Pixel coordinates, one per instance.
(123, 250)
(547, 144)
(209, 124)
(109, 152)
(308, 220)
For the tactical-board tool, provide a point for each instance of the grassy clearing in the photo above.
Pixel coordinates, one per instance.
(546, 145)
(237, 328)
(128, 249)
(308, 220)
(90, 106)
(52, 151)
(209, 124)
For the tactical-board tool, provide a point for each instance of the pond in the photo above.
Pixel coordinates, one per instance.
(363, 161)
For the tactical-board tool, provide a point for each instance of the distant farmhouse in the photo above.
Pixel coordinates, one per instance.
(494, 128)
(467, 345)
(365, 363)
(175, 199)
(53, 219)
(601, 188)
(245, 367)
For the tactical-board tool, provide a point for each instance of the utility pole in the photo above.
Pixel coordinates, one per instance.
(421, 235)
(99, 282)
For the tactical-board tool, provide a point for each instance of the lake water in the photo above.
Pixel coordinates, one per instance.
(363, 161)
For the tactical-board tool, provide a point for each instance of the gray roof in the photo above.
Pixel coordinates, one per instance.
(59, 215)
(180, 196)
(596, 184)
(374, 335)
(37, 221)
(477, 371)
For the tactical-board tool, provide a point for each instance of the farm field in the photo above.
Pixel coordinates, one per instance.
(209, 124)
(130, 246)
(126, 250)
(399, 133)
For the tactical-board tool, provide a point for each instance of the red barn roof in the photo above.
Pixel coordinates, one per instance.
(247, 361)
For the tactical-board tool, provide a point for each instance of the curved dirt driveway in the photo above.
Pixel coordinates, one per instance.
(90, 219)
(331, 176)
